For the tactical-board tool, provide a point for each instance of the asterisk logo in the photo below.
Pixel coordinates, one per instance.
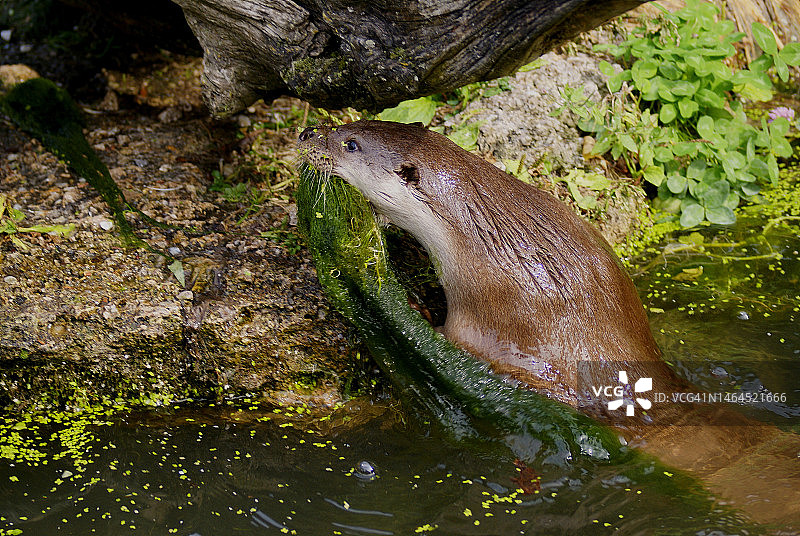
(642, 385)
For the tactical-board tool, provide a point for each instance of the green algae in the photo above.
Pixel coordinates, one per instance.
(454, 387)
(48, 113)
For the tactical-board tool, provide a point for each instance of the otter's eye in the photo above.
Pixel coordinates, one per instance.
(351, 146)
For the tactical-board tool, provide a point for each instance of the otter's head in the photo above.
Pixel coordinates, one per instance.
(389, 163)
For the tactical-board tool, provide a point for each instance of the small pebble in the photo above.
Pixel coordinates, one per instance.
(106, 225)
(170, 115)
(25, 48)
(10, 280)
(174, 251)
(6, 35)
(110, 312)
(186, 295)
(743, 315)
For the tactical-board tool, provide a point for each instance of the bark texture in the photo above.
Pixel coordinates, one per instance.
(375, 54)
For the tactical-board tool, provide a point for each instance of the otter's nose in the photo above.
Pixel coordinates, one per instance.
(307, 133)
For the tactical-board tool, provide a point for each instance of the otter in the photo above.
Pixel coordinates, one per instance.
(531, 287)
(539, 294)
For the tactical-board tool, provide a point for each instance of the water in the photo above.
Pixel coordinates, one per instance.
(166, 474)
(736, 325)
(242, 469)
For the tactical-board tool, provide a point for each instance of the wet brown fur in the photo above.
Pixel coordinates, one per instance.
(530, 286)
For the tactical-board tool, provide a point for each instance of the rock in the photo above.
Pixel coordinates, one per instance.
(170, 115)
(11, 75)
(84, 319)
(110, 102)
(518, 122)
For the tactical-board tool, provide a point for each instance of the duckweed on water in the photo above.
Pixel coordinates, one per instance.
(244, 467)
(724, 264)
(45, 438)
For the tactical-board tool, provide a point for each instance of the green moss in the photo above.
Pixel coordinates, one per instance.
(47, 112)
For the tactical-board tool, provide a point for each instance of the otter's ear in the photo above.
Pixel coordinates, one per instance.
(409, 174)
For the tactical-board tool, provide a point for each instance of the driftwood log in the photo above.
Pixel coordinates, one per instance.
(374, 54)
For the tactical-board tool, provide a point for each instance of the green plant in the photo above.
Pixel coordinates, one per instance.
(480, 90)
(424, 109)
(233, 193)
(9, 225)
(241, 192)
(673, 118)
(420, 110)
(285, 238)
(593, 184)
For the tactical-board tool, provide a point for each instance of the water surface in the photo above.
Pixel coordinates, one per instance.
(243, 469)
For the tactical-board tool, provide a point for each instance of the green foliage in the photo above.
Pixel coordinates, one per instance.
(424, 109)
(480, 90)
(673, 120)
(532, 66)
(9, 225)
(176, 267)
(233, 193)
(240, 192)
(466, 134)
(595, 183)
(419, 110)
(286, 238)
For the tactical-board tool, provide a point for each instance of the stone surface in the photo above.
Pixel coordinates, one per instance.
(81, 318)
